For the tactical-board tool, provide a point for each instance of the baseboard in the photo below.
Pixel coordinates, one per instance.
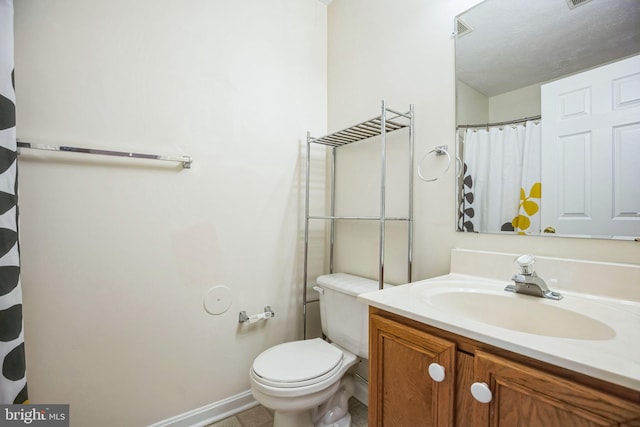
(233, 405)
(211, 413)
(362, 390)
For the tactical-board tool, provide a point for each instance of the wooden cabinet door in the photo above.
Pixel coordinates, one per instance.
(401, 391)
(526, 397)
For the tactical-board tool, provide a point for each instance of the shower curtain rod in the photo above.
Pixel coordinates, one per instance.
(511, 122)
(185, 160)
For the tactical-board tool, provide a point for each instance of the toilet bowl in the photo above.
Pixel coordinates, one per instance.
(307, 383)
(294, 379)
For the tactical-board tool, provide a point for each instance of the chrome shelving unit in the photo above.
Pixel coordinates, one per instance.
(373, 130)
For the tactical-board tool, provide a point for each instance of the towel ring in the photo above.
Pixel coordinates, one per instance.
(440, 151)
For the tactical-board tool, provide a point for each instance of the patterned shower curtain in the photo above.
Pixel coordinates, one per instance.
(13, 380)
(501, 187)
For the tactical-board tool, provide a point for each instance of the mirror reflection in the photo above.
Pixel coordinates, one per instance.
(548, 118)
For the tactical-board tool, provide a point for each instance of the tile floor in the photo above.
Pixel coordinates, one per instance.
(260, 416)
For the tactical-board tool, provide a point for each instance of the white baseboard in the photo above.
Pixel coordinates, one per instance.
(211, 413)
(362, 390)
(233, 405)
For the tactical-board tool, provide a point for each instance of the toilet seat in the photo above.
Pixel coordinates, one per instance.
(297, 364)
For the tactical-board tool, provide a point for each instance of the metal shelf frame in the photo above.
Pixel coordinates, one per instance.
(375, 129)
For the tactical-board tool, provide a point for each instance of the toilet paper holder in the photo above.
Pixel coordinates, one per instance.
(267, 314)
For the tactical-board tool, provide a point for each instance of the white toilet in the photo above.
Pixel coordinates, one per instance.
(304, 382)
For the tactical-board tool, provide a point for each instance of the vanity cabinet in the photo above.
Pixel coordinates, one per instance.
(400, 361)
(527, 396)
(523, 391)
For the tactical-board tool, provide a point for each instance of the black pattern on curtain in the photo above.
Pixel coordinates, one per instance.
(13, 382)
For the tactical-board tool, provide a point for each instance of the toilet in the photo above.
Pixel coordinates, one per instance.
(307, 383)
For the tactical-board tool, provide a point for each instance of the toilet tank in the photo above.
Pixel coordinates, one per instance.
(345, 320)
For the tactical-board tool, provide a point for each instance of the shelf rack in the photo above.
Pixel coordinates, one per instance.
(375, 129)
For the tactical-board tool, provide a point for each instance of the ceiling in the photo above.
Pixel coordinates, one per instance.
(516, 43)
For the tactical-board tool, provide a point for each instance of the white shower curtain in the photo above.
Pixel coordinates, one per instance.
(502, 189)
(13, 381)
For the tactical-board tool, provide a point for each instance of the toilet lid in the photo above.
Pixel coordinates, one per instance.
(297, 361)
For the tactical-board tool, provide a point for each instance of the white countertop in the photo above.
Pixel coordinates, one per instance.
(613, 357)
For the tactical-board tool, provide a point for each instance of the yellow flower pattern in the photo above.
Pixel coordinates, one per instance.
(528, 208)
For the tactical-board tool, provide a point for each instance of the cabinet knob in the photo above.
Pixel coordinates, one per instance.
(481, 392)
(436, 372)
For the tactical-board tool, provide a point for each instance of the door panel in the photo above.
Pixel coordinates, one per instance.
(401, 391)
(590, 145)
(526, 397)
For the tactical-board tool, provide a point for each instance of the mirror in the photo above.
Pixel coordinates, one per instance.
(521, 67)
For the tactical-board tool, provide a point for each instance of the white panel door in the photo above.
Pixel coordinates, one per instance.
(591, 152)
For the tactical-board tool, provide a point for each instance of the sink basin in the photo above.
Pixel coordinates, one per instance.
(518, 312)
(596, 335)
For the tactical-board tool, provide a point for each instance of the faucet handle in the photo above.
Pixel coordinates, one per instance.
(525, 262)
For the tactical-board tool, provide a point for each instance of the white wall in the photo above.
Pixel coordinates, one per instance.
(403, 52)
(117, 255)
(516, 104)
(472, 106)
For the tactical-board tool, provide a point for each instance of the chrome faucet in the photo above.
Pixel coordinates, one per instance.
(528, 282)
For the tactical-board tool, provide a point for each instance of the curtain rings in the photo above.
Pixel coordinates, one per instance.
(439, 151)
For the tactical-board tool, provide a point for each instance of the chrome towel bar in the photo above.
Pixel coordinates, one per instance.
(185, 160)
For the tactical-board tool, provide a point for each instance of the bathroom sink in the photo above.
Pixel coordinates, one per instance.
(594, 334)
(517, 312)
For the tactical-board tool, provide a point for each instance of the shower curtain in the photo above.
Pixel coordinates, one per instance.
(501, 188)
(13, 382)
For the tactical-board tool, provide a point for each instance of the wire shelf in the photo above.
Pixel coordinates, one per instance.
(362, 131)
